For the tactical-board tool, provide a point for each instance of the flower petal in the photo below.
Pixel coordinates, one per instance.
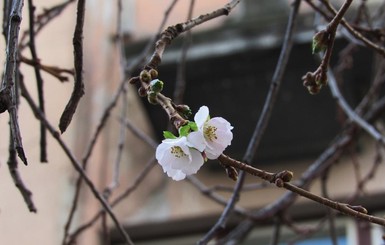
(160, 150)
(175, 174)
(190, 167)
(201, 116)
(218, 136)
(196, 140)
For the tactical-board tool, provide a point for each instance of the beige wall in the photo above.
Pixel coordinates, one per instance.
(52, 183)
(48, 182)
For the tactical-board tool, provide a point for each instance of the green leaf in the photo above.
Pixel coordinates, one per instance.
(193, 126)
(320, 42)
(168, 135)
(184, 130)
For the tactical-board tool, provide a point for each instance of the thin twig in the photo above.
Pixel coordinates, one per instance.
(172, 32)
(151, 43)
(15, 174)
(324, 39)
(122, 134)
(351, 113)
(221, 222)
(277, 230)
(102, 122)
(121, 142)
(331, 217)
(274, 85)
(380, 50)
(303, 232)
(43, 19)
(138, 180)
(264, 118)
(214, 196)
(55, 71)
(282, 180)
(75, 163)
(361, 183)
(246, 187)
(78, 91)
(180, 83)
(39, 81)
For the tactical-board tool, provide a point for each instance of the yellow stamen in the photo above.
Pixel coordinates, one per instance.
(210, 133)
(177, 152)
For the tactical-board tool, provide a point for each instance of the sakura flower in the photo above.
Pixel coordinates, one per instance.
(213, 135)
(178, 159)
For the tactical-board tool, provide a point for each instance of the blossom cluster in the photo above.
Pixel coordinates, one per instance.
(205, 138)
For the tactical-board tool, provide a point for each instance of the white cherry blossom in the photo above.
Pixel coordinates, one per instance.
(213, 135)
(177, 158)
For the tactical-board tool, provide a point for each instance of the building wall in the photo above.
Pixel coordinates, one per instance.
(49, 183)
(52, 184)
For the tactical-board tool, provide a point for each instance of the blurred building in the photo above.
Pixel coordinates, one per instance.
(230, 63)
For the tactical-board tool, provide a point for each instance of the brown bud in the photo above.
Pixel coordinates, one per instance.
(145, 76)
(4, 101)
(142, 92)
(232, 173)
(153, 73)
(279, 182)
(133, 80)
(314, 89)
(286, 176)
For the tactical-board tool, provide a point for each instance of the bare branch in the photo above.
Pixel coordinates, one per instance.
(8, 91)
(78, 91)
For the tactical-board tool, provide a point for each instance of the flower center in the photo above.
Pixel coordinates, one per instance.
(210, 133)
(177, 152)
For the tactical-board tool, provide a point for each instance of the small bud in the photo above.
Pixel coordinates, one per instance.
(142, 92)
(184, 110)
(156, 86)
(321, 79)
(151, 97)
(145, 76)
(232, 173)
(4, 101)
(314, 89)
(308, 79)
(358, 209)
(153, 73)
(279, 182)
(320, 41)
(133, 80)
(287, 176)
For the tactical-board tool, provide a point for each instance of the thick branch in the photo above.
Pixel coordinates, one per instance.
(8, 91)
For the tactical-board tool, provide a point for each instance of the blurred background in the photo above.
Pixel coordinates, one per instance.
(229, 65)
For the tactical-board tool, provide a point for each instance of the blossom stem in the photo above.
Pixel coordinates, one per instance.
(228, 161)
(173, 115)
